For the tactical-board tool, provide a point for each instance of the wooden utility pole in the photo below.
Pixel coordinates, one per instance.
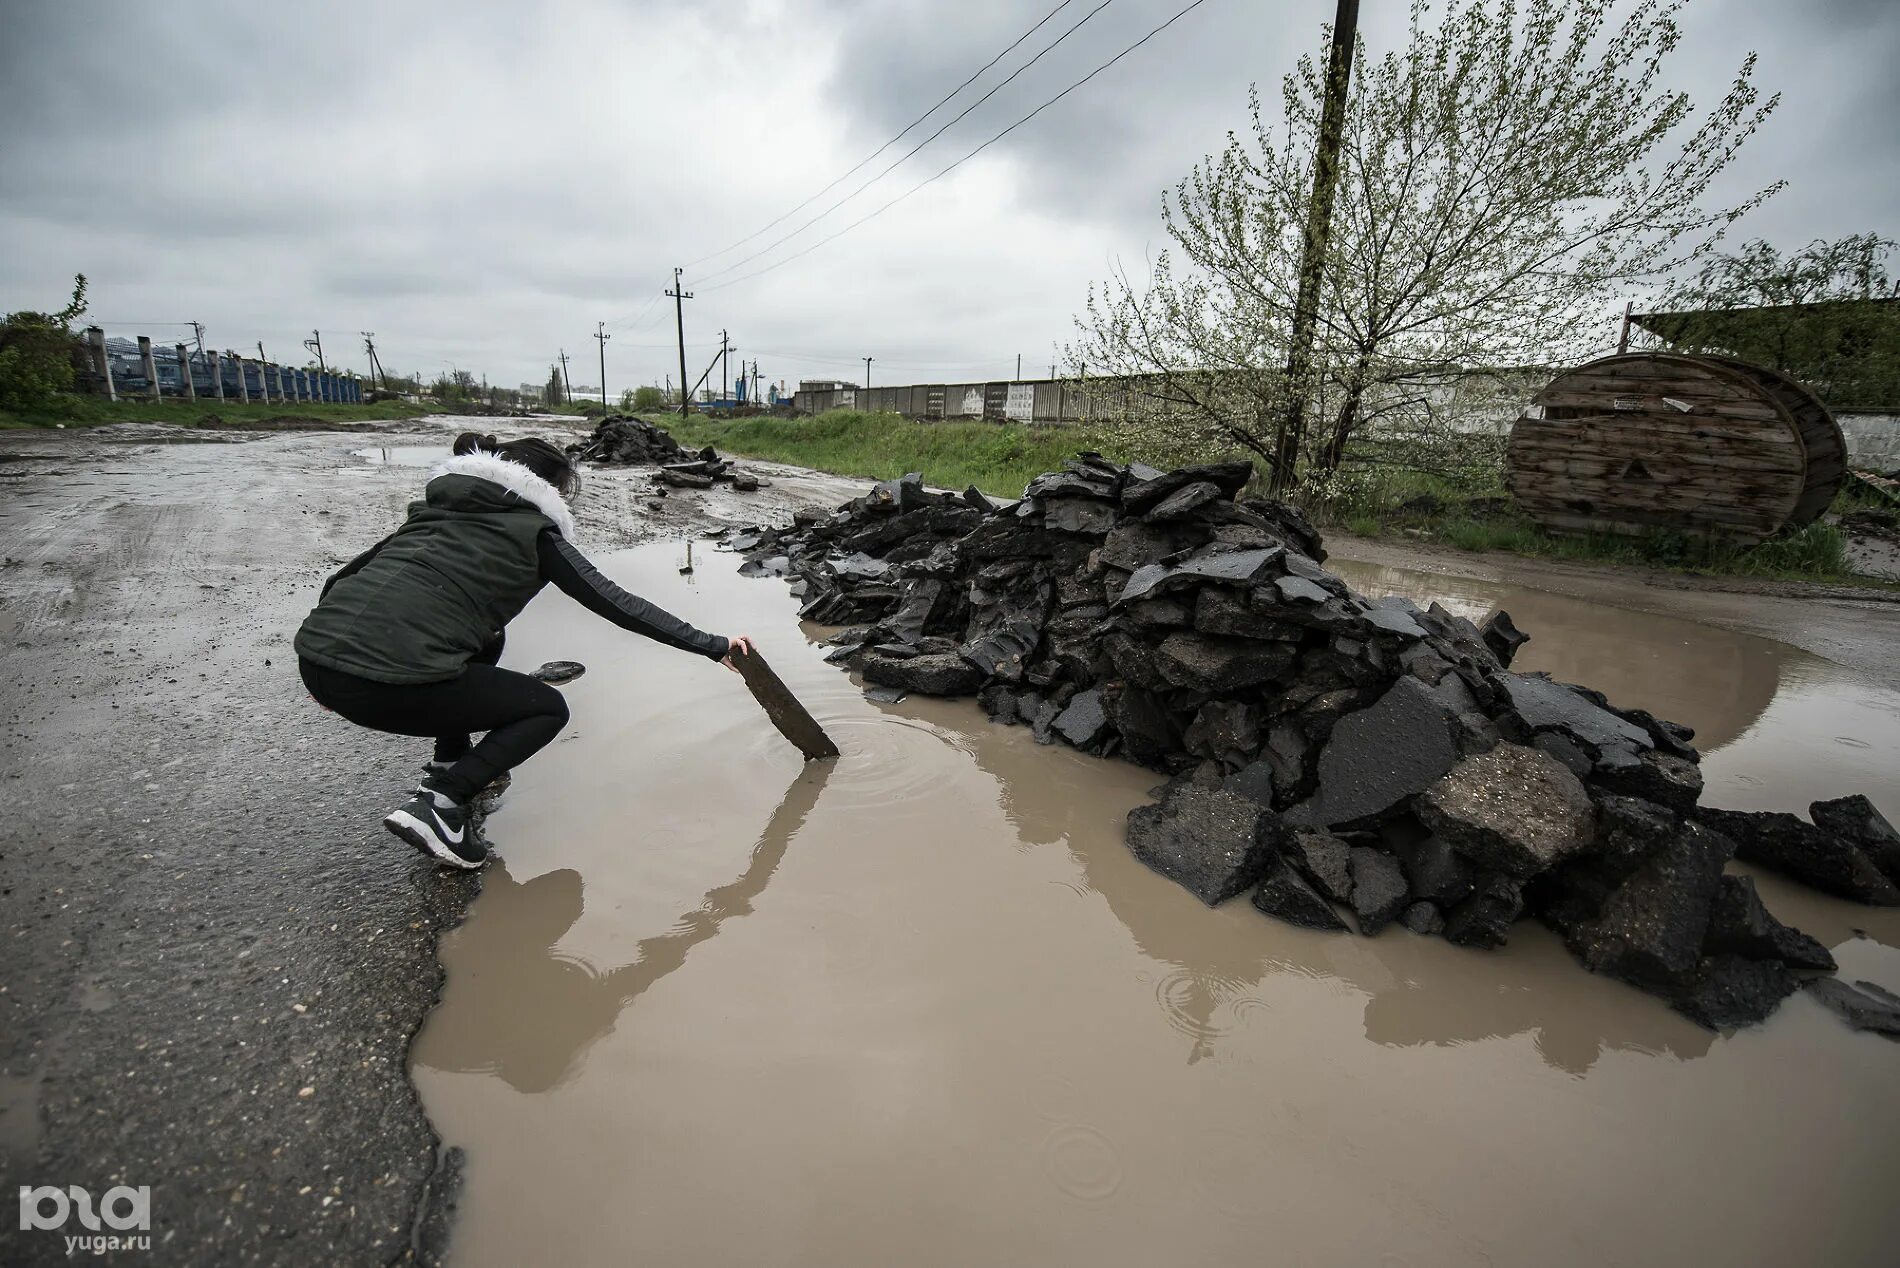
(1319, 223)
(566, 383)
(375, 365)
(680, 295)
(867, 374)
(315, 344)
(600, 333)
(725, 368)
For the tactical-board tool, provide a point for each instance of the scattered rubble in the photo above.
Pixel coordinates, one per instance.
(1326, 750)
(1740, 925)
(1863, 1005)
(1512, 809)
(1813, 855)
(1213, 842)
(620, 440)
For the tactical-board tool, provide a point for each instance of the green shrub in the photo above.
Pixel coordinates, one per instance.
(37, 352)
(1363, 525)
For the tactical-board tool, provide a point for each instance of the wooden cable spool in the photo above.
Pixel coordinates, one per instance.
(1656, 442)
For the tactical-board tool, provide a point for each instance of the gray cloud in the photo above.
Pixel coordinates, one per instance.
(481, 186)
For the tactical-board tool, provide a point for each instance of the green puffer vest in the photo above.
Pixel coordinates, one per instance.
(459, 569)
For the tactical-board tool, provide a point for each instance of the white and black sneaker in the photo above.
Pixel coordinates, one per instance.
(484, 801)
(442, 831)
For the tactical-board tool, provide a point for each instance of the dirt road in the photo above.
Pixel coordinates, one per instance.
(216, 958)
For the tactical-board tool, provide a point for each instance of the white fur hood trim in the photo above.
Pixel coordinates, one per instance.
(518, 480)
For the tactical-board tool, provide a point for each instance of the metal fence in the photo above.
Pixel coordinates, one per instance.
(138, 368)
(1021, 401)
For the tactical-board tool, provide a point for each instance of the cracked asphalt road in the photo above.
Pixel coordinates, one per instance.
(215, 957)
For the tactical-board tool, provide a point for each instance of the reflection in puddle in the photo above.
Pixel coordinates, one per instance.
(404, 455)
(570, 1004)
(960, 1023)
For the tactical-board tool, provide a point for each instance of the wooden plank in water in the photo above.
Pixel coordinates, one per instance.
(782, 707)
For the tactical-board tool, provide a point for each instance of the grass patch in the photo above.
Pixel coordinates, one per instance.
(1423, 508)
(1455, 496)
(998, 458)
(96, 411)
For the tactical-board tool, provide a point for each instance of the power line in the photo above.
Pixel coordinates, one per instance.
(669, 343)
(967, 157)
(638, 314)
(840, 179)
(780, 241)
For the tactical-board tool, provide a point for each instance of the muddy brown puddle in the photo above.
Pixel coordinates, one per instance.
(921, 1006)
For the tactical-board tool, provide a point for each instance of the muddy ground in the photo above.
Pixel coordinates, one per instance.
(215, 955)
(217, 959)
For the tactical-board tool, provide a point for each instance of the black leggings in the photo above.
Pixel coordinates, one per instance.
(520, 714)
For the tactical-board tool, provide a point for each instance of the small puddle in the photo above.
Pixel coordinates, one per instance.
(921, 1005)
(404, 455)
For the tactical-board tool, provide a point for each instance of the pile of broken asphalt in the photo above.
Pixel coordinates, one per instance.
(1330, 753)
(620, 440)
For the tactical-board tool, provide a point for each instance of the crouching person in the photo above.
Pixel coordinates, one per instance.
(405, 638)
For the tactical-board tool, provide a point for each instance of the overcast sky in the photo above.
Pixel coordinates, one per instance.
(479, 184)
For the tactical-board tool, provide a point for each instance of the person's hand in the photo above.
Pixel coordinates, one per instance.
(739, 645)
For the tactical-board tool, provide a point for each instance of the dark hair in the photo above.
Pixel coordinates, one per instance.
(537, 455)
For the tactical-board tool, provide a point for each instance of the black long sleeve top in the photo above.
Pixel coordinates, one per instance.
(569, 570)
(574, 575)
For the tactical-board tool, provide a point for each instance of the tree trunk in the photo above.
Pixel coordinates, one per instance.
(1344, 421)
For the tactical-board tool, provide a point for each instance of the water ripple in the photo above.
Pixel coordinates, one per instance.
(1190, 1000)
(1083, 1162)
(887, 760)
